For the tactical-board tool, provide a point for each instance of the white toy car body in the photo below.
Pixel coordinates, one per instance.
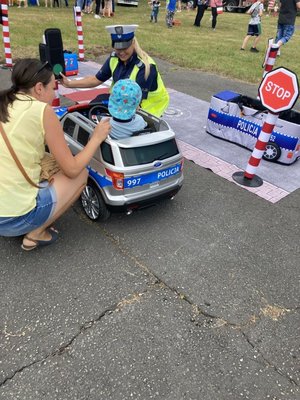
(126, 174)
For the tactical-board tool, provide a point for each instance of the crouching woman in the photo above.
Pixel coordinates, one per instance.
(28, 122)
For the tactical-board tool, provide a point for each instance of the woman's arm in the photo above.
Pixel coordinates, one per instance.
(55, 140)
(87, 82)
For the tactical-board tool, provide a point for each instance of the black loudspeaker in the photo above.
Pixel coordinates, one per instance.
(53, 38)
(52, 50)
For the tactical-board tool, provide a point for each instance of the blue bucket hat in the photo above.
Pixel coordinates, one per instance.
(125, 97)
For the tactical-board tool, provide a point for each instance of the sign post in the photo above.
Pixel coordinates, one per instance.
(78, 19)
(278, 92)
(5, 32)
(270, 56)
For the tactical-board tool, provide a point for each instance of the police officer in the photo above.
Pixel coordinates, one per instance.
(129, 61)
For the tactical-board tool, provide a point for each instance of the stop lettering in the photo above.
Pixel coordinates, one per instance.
(279, 90)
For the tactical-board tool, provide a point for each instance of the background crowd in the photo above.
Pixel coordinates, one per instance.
(106, 8)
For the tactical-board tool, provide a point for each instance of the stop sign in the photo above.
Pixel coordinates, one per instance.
(279, 90)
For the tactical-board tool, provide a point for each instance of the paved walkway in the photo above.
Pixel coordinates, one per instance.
(224, 169)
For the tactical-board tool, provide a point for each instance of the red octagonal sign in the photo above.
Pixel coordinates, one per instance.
(279, 90)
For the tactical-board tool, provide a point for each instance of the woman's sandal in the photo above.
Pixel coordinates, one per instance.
(37, 243)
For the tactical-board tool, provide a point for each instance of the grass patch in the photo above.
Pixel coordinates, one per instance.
(185, 45)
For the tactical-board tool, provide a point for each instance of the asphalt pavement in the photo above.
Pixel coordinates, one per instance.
(197, 298)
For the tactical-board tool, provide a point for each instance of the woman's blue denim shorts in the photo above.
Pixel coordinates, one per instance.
(45, 205)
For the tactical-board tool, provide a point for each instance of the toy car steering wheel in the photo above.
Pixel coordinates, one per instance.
(97, 112)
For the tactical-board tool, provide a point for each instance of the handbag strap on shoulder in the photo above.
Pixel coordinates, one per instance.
(15, 157)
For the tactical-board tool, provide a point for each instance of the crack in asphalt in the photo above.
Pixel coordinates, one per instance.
(220, 322)
(128, 299)
(278, 370)
(197, 310)
(61, 349)
(155, 281)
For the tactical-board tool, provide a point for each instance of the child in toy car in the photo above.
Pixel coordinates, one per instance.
(123, 102)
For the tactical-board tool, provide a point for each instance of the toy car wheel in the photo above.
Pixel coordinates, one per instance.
(93, 203)
(272, 152)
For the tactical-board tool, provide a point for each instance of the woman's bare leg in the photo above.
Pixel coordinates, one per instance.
(67, 191)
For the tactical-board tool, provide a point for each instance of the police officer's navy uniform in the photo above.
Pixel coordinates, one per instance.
(155, 98)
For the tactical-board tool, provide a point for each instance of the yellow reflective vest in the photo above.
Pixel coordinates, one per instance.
(158, 100)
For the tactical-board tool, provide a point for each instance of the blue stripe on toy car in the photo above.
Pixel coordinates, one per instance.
(156, 176)
(250, 128)
(60, 111)
(100, 179)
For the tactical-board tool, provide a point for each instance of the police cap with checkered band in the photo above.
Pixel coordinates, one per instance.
(121, 35)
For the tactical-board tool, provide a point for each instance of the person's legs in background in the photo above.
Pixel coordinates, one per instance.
(279, 34)
(152, 16)
(200, 13)
(245, 41)
(24, 1)
(284, 33)
(169, 18)
(105, 9)
(253, 30)
(214, 14)
(97, 10)
(256, 40)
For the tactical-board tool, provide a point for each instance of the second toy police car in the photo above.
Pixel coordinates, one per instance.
(239, 119)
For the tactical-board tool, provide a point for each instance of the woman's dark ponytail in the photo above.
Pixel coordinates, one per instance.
(7, 97)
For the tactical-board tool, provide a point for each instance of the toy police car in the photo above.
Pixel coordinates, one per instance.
(126, 174)
(239, 119)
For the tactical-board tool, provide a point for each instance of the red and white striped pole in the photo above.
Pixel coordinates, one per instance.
(260, 145)
(56, 100)
(270, 57)
(5, 33)
(79, 33)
